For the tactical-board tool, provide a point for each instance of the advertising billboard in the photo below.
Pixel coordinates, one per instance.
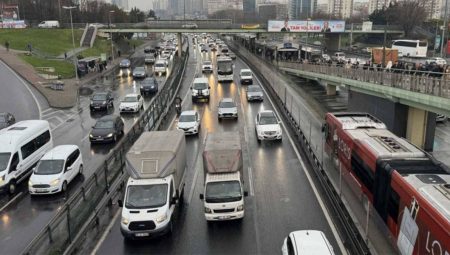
(312, 26)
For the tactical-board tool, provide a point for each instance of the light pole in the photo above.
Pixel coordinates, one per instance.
(444, 28)
(112, 48)
(73, 40)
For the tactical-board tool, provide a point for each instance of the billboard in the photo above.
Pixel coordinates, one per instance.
(13, 24)
(312, 26)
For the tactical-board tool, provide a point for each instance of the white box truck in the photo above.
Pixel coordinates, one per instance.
(157, 164)
(223, 191)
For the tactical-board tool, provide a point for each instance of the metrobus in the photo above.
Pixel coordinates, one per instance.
(225, 68)
(399, 179)
(411, 48)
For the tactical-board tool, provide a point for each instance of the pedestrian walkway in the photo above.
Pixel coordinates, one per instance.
(72, 53)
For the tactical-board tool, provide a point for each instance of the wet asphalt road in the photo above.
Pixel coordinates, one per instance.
(280, 198)
(21, 216)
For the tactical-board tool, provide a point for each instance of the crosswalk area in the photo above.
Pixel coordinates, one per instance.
(57, 117)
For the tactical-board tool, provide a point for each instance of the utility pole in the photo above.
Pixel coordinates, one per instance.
(112, 48)
(444, 28)
(73, 40)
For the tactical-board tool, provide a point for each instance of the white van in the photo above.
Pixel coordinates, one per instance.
(49, 24)
(160, 66)
(56, 169)
(21, 146)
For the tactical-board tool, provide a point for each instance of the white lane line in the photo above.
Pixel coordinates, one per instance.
(47, 110)
(250, 177)
(26, 86)
(84, 138)
(10, 201)
(194, 181)
(313, 186)
(105, 233)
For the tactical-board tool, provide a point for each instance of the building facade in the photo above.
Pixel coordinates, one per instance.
(272, 11)
(301, 9)
(219, 5)
(342, 8)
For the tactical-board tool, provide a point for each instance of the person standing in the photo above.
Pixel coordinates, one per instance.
(7, 45)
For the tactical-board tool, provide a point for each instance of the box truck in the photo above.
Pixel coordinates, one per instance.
(223, 185)
(156, 164)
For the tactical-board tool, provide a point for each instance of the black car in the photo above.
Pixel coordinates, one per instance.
(149, 85)
(204, 49)
(147, 49)
(107, 129)
(6, 119)
(102, 101)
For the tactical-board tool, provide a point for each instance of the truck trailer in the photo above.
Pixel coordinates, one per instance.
(156, 164)
(223, 184)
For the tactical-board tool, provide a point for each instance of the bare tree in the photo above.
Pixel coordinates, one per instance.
(407, 14)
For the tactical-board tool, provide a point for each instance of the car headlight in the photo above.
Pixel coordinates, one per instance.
(207, 210)
(92, 102)
(240, 208)
(161, 218)
(142, 86)
(125, 221)
(104, 102)
(2, 179)
(91, 136)
(30, 183)
(109, 135)
(54, 182)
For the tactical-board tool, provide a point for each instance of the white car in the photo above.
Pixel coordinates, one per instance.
(306, 242)
(207, 66)
(55, 170)
(189, 122)
(267, 126)
(227, 109)
(246, 76)
(131, 103)
(160, 66)
(437, 60)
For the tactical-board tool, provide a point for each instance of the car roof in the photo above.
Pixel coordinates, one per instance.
(100, 93)
(311, 242)
(226, 99)
(266, 113)
(60, 152)
(201, 80)
(131, 95)
(125, 60)
(253, 86)
(246, 70)
(189, 112)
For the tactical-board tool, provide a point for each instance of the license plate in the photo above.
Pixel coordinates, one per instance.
(97, 107)
(223, 217)
(41, 190)
(141, 234)
(99, 139)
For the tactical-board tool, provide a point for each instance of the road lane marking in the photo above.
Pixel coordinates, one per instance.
(106, 232)
(308, 176)
(26, 86)
(194, 181)
(250, 177)
(10, 201)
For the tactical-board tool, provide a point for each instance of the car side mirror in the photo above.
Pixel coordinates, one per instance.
(209, 87)
(245, 193)
(120, 203)
(201, 196)
(68, 168)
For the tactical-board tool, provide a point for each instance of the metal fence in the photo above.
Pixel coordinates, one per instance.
(83, 208)
(364, 231)
(420, 82)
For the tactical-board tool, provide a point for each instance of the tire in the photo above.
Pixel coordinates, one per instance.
(12, 186)
(64, 187)
(80, 170)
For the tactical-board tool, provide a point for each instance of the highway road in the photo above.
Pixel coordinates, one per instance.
(23, 217)
(281, 197)
(16, 94)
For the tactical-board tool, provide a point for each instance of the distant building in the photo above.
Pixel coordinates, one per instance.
(378, 4)
(323, 8)
(342, 8)
(434, 8)
(272, 11)
(249, 6)
(219, 5)
(301, 9)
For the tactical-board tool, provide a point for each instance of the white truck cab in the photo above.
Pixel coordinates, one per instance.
(156, 184)
(223, 190)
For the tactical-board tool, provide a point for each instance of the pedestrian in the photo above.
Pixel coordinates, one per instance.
(65, 55)
(118, 53)
(7, 45)
(134, 47)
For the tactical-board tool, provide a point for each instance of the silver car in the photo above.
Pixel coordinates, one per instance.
(139, 72)
(254, 93)
(227, 109)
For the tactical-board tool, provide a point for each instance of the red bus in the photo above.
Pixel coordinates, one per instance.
(396, 176)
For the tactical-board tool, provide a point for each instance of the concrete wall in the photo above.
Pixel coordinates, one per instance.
(394, 115)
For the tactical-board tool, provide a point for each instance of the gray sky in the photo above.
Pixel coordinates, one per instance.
(141, 4)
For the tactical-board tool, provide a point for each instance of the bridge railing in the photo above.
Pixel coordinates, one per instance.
(420, 82)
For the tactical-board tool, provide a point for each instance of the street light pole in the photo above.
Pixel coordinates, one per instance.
(112, 48)
(444, 27)
(73, 40)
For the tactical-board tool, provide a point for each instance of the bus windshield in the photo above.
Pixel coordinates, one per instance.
(225, 67)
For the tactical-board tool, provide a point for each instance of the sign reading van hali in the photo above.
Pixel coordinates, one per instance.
(312, 26)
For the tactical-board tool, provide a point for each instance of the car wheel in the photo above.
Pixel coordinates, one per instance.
(12, 187)
(64, 187)
(80, 170)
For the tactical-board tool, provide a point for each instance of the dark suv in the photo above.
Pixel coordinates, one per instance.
(102, 101)
(149, 85)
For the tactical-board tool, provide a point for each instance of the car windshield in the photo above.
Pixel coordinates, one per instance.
(104, 124)
(187, 118)
(268, 120)
(148, 82)
(159, 65)
(199, 85)
(4, 160)
(99, 97)
(226, 191)
(227, 105)
(130, 99)
(207, 63)
(254, 89)
(146, 196)
(125, 61)
(47, 167)
(246, 73)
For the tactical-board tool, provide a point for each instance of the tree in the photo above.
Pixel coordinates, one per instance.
(408, 14)
(136, 15)
(151, 14)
